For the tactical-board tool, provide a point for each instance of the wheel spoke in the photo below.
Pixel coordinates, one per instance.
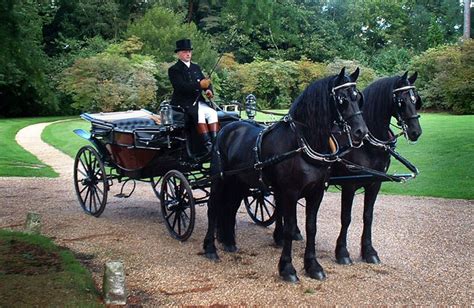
(87, 195)
(94, 195)
(261, 204)
(100, 190)
(84, 188)
(97, 195)
(168, 216)
(167, 192)
(266, 210)
(84, 165)
(184, 219)
(81, 172)
(91, 190)
(174, 220)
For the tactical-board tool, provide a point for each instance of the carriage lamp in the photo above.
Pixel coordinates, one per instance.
(166, 114)
(251, 106)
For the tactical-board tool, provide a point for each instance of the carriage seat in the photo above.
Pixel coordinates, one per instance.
(133, 123)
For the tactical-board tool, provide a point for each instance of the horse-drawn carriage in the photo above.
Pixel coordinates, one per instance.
(139, 145)
(291, 159)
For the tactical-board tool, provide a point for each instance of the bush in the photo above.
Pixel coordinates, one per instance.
(114, 80)
(275, 83)
(445, 77)
(366, 76)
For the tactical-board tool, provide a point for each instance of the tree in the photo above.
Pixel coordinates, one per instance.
(160, 28)
(83, 19)
(24, 88)
(467, 19)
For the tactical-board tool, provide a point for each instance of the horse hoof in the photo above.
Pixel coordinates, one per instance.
(212, 256)
(230, 248)
(290, 278)
(344, 261)
(373, 259)
(297, 237)
(320, 275)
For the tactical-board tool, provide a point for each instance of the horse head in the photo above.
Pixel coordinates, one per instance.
(348, 102)
(407, 102)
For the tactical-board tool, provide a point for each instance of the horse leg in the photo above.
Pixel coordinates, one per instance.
(287, 203)
(311, 265)
(234, 193)
(369, 254)
(278, 232)
(342, 254)
(213, 215)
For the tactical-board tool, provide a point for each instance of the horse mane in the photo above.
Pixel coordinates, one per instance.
(378, 105)
(313, 108)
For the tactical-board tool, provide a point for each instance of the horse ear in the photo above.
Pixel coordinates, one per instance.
(404, 77)
(413, 77)
(355, 75)
(341, 75)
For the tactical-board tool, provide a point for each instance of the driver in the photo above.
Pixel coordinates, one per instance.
(188, 82)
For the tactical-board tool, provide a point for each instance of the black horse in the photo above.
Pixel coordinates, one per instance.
(385, 98)
(286, 158)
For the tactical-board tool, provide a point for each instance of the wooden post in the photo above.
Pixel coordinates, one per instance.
(33, 223)
(113, 287)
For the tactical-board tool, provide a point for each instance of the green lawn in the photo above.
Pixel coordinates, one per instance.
(443, 153)
(14, 161)
(61, 136)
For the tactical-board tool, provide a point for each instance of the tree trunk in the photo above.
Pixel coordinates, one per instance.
(467, 19)
(190, 11)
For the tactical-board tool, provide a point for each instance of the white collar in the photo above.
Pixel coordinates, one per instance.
(188, 64)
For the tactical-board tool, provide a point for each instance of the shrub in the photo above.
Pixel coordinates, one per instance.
(114, 80)
(446, 75)
(366, 76)
(275, 83)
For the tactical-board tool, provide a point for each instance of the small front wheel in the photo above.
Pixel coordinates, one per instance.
(177, 205)
(90, 181)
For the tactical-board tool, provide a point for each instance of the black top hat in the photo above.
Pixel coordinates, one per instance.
(183, 44)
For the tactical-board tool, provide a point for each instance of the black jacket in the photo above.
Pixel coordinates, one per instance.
(186, 89)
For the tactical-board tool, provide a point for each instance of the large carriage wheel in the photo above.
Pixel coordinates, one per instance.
(260, 207)
(90, 181)
(177, 205)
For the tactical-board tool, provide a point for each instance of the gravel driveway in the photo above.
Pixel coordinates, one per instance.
(425, 245)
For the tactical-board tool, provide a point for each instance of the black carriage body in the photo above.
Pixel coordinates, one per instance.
(137, 147)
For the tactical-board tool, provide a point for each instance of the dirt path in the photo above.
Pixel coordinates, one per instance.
(425, 245)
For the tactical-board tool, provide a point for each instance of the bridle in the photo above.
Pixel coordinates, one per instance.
(402, 122)
(341, 121)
